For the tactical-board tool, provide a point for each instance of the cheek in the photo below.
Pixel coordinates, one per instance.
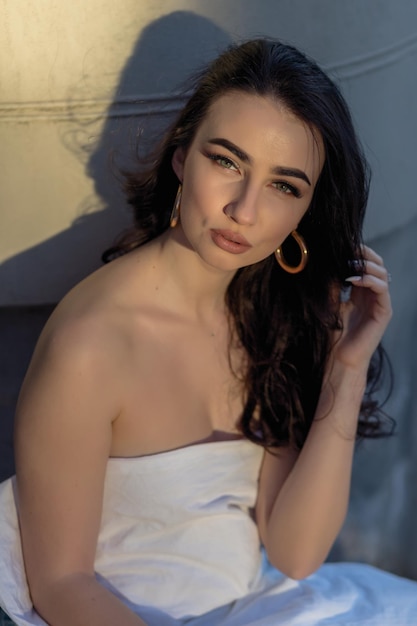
(199, 203)
(194, 213)
(194, 185)
(279, 228)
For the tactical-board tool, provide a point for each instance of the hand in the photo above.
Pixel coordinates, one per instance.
(365, 315)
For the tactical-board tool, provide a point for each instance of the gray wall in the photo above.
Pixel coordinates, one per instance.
(79, 78)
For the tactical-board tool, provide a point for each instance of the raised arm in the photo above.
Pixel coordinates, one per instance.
(64, 418)
(303, 498)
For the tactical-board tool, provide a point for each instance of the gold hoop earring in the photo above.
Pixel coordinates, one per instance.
(293, 269)
(175, 214)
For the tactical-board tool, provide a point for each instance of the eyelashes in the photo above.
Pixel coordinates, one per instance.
(288, 189)
(228, 164)
(223, 161)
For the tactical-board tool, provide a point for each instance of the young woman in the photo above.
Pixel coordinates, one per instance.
(199, 397)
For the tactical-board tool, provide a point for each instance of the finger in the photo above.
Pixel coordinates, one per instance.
(380, 303)
(375, 269)
(371, 263)
(378, 287)
(377, 284)
(370, 255)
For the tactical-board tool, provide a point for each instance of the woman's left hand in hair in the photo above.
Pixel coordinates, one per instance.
(365, 315)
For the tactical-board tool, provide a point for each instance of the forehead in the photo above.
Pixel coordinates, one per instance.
(264, 128)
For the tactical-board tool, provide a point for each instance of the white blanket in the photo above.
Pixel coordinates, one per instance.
(178, 544)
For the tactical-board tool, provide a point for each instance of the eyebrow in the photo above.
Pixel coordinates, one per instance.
(243, 156)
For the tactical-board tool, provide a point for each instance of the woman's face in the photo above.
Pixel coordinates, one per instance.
(248, 178)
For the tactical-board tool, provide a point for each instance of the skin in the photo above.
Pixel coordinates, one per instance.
(237, 188)
(155, 319)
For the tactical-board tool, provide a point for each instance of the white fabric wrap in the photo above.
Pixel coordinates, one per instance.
(176, 530)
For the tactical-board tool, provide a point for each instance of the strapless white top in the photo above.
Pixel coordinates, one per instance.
(179, 518)
(178, 545)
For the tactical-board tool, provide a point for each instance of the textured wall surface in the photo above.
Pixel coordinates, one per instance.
(78, 81)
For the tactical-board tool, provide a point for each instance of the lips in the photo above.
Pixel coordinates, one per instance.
(230, 241)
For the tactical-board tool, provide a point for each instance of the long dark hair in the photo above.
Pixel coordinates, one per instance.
(283, 321)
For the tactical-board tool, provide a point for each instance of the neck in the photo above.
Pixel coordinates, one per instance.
(188, 283)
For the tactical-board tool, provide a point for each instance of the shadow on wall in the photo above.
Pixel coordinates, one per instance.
(167, 51)
(152, 88)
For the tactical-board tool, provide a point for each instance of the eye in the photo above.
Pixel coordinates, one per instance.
(287, 189)
(223, 161)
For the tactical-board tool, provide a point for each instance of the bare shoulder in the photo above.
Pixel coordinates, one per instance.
(84, 344)
(72, 395)
(92, 319)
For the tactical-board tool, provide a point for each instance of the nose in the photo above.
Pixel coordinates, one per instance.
(243, 209)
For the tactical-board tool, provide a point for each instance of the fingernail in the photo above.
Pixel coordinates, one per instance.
(353, 279)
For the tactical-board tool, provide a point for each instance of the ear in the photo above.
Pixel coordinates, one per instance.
(178, 160)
